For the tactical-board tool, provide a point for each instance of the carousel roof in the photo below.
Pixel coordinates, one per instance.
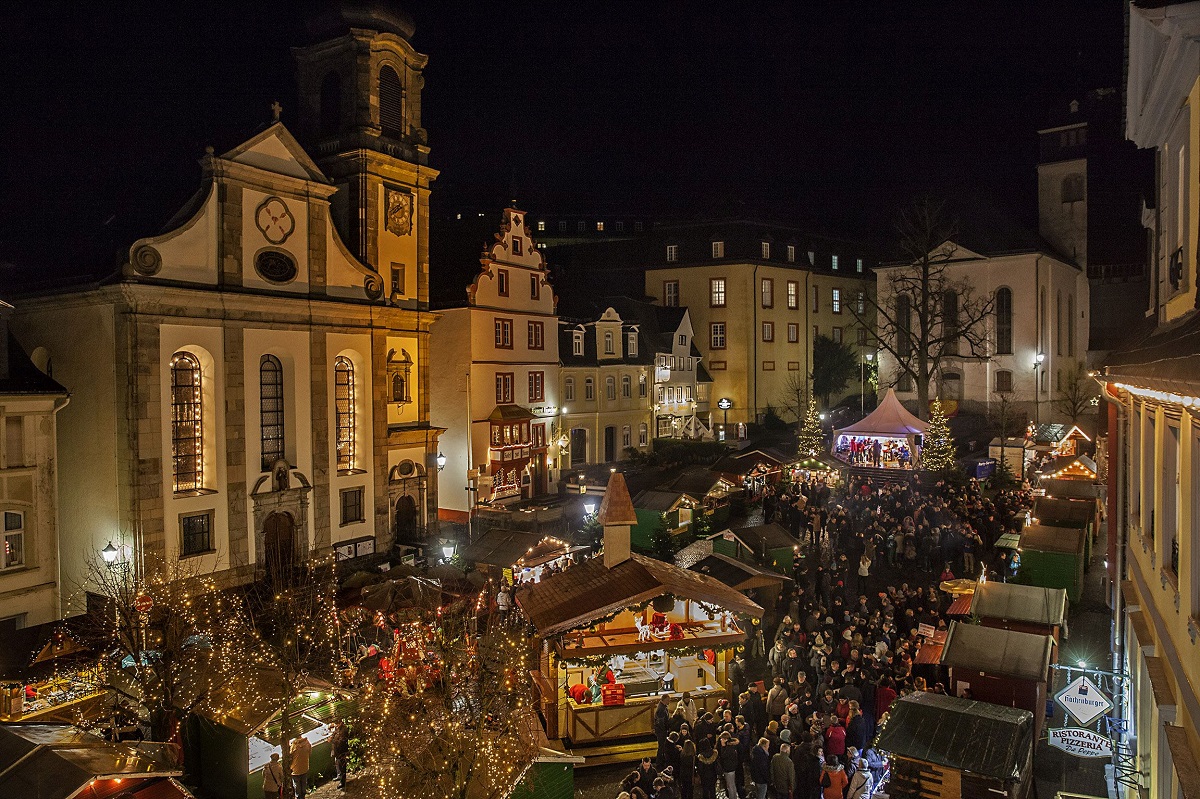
(890, 419)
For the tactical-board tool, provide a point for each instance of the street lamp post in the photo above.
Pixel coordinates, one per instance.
(1037, 387)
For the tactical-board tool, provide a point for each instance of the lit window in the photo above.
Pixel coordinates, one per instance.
(861, 303)
(716, 292)
(187, 423)
(14, 539)
(837, 300)
(718, 249)
(791, 253)
(672, 253)
(600, 227)
(541, 225)
(270, 410)
(834, 262)
(343, 405)
(793, 295)
(768, 292)
(858, 265)
(766, 249)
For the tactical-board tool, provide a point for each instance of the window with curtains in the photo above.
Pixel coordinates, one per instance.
(344, 412)
(187, 423)
(270, 410)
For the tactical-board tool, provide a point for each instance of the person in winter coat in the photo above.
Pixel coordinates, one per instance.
(685, 774)
(760, 767)
(755, 712)
(708, 768)
(783, 774)
(662, 727)
(729, 760)
(272, 774)
(856, 728)
(861, 783)
(808, 773)
(776, 658)
(688, 706)
(777, 699)
(835, 742)
(833, 780)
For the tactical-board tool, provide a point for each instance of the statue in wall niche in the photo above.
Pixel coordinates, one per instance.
(281, 479)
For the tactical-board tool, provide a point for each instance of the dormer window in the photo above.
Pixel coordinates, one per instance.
(631, 344)
(577, 343)
(766, 249)
(608, 343)
(718, 249)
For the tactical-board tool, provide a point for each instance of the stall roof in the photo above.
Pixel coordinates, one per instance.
(1081, 462)
(1055, 433)
(890, 419)
(698, 481)
(1003, 653)
(737, 574)
(1054, 511)
(1028, 603)
(740, 463)
(1069, 488)
(657, 499)
(500, 547)
(1009, 541)
(54, 761)
(762, 537)
(590, 591)
(1044, 538)
(975, 737)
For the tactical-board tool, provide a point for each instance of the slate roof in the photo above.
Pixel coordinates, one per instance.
(1164, 358)
(590, 591)
(976, 737)
(22, 377)
(1004, 653)
(1013, 602)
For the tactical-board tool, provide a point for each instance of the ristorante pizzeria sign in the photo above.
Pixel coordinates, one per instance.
(1080, 742)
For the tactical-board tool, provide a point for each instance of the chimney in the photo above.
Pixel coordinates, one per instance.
(617, 516)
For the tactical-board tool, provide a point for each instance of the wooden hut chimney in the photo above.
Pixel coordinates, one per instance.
(617, 516)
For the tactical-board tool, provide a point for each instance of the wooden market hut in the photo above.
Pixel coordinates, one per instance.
(1024, 608)
(1003, 667)
(738, 574)
(943, 747)
(677, 508)
(1053, 557)
(504, 554)
(58, 761)
(657, 626)
(768, 545)
(752, 468)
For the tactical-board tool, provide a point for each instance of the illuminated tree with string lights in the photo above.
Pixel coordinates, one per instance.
(937, 454)
(454, 718)
(162, 627)
(812, 439)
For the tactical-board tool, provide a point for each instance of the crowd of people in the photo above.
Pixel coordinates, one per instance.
(875, 452)
(845, 638)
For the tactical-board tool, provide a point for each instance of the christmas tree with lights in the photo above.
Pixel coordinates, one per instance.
(812, 439)
(937, 454)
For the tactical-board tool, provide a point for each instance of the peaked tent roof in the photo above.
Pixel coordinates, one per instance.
(889, 419)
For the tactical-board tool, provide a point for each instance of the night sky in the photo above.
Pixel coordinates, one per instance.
(824, 114)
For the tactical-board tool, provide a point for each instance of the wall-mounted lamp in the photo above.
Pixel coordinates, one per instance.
(110, 554)
(441, 461)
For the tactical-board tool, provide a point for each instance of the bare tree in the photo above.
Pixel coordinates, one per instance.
(1006, 419)
(456, 720)
(794, 399)
(922, 314)
(1076, 393)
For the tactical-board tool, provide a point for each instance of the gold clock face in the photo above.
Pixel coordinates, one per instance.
(274, 220)
(399, 210)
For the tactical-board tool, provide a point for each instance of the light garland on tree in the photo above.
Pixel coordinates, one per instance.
(812, 438)
(937, 454)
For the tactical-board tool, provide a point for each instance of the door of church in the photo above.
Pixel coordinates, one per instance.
(404, 520)
(279, 545)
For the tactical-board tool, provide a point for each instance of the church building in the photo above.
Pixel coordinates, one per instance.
(248, 389)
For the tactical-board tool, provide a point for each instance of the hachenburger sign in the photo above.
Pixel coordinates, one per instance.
(1080, 742)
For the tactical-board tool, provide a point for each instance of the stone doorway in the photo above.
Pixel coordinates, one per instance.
(279, 545)
(404, 519)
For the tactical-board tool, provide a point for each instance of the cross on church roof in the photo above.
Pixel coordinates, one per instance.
(276, 109)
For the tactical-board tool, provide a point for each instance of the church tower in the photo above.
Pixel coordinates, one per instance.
(1063, 183)
(360, 96)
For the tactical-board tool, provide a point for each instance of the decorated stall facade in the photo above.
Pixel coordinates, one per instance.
(620, 629)
(49, 676)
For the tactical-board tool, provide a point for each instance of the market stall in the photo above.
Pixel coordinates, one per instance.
(752, 469)
(822, 468)
(1024, 608)
(1053, 557)
(50, 676)
(888, 438)
(620, 629)
(517, 556)
(932, 743)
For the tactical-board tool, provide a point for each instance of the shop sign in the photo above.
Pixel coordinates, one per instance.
(1084, 700)
(1080, 742)
(143, 603)
(724, 403)
(926, 630)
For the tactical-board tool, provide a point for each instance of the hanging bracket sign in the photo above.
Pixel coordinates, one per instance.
(1084, 700)
(1080, 742)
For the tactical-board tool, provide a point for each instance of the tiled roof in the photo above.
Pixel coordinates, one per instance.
(590, 591)
(616, 507)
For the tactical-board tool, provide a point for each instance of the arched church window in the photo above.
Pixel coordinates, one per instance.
(1004, 321)
(391, 103)
(271, 422)
(187, 423)
(343, 405)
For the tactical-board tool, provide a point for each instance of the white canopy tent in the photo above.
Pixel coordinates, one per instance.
(889, 420)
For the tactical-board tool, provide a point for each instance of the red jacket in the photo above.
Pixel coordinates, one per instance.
(884, 697)
(835, 740)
